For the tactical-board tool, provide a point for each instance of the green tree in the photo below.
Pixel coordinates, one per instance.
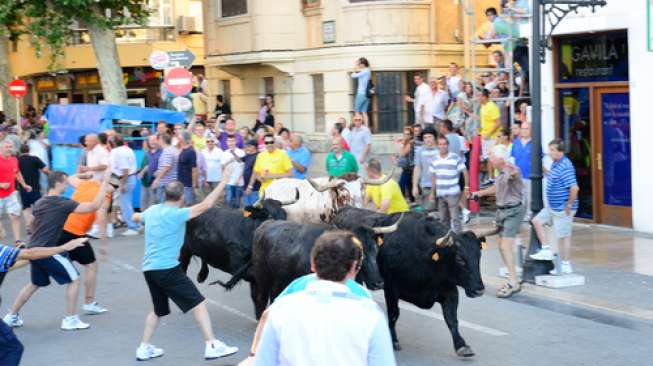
(49, 23)
(10, 22)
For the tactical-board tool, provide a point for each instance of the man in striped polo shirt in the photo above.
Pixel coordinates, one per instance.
(562, 197)
(445, 180)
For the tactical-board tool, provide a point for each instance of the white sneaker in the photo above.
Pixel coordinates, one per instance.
(110, 230)
(466, 217)
(147, 352)
(545, 254)
(73, 323)
(130, 232)
(13, 320)
(216, 349)
(94, 309)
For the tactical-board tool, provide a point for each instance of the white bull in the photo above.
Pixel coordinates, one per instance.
(320, 198)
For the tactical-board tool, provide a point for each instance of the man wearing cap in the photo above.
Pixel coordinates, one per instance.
(273, 163)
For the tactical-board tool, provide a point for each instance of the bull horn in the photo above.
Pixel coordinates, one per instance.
(322, 188)
(259, 203)
(445, 241)
(292, 201)
(388, 229)
(378, 182)
(489, 232)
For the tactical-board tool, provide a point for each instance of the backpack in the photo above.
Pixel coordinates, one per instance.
(370, 90)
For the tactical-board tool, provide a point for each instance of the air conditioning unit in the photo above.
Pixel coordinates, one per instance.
(186, 24)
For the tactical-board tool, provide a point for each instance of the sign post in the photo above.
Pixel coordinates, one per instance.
(18, 89)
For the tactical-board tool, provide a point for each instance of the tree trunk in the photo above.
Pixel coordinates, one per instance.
(108, 64)
(8, 102)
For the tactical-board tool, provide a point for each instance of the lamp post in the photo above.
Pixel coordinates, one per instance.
(551, 13)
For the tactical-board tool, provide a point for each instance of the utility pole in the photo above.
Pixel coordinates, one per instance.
(550, 12)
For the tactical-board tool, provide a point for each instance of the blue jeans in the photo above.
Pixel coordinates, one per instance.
(189, 196)
(361, 103)
(250, 199)
(233, 196)
(126, 199)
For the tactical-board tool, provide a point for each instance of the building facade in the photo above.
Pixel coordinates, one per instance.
(596, 94)
(174, 25)
(303, 53)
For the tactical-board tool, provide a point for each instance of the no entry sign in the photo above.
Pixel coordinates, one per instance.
(17, 88)
(179, 81)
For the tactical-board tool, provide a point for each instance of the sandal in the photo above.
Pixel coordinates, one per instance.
(507, 291)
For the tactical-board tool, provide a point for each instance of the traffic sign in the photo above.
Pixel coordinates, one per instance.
(182, 104)
(17, 88)
(179, 81)
(180, 59)
(159, 60)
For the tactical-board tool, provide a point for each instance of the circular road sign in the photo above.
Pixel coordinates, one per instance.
(182, 104)
(159, 60)
(17, 88)
(179, 81)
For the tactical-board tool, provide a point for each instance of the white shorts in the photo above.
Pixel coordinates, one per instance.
(10, 205)
(486, 148)
(559, 220)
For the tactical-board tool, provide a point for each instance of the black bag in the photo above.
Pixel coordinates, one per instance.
(370, 90)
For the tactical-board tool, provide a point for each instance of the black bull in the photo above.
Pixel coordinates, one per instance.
(281, 253)
(222, 238)
(417, 270)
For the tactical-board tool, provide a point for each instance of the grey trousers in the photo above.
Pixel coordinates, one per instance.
(449, 211)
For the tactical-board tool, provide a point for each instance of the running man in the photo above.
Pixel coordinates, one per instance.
(165, 226)
(50, 215)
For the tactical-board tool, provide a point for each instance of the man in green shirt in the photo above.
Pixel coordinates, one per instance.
(339, 161)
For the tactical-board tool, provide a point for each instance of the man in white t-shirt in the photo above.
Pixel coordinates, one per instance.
(97, 157)
(123, 165)
(233, 157)
(453, 80)
(420, 98)
(212, 155)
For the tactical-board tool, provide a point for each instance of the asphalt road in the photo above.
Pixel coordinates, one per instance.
(523, 331)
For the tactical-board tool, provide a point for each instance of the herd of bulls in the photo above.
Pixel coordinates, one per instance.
(411, 256)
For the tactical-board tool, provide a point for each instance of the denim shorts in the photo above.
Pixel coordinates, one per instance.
(361, 103)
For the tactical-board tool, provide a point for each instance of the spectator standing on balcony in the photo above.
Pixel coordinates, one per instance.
(420, 99)
(360, 140)
(363, 76)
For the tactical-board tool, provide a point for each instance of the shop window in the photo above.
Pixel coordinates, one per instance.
(593, 58)
(318, 102)
(232, 8)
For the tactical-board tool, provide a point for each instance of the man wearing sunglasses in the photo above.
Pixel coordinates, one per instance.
(273, 163)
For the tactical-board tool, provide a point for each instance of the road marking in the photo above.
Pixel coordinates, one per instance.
(430, 314)
(123, 265)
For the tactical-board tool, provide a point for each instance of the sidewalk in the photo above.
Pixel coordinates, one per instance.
(617, 264)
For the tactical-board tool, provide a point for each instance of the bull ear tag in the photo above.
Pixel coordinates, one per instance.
(435, 257)
(247, 213)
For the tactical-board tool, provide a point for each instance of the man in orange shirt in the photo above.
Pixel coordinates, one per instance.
(76, 226)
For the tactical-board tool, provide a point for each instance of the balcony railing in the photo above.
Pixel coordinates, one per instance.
(128, 35)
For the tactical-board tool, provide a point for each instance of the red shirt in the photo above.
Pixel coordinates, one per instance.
(8, 171)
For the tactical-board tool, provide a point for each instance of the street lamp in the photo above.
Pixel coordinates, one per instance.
(551, 13)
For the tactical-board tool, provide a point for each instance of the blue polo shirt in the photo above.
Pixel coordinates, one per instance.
(559, 181)
(522, 155)
(301, 156)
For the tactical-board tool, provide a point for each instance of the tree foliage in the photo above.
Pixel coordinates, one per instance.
(50, 23)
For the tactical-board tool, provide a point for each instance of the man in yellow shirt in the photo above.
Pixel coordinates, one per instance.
(271, 164)
(490, 126)
(387, 197)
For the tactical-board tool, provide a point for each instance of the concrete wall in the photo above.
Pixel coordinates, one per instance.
(630, 15)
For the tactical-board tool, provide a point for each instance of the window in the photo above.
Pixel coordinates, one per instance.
(318, 102)
(225, 86)
(389, 110)
(231, 8)
(161, 13)
(268, 86)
